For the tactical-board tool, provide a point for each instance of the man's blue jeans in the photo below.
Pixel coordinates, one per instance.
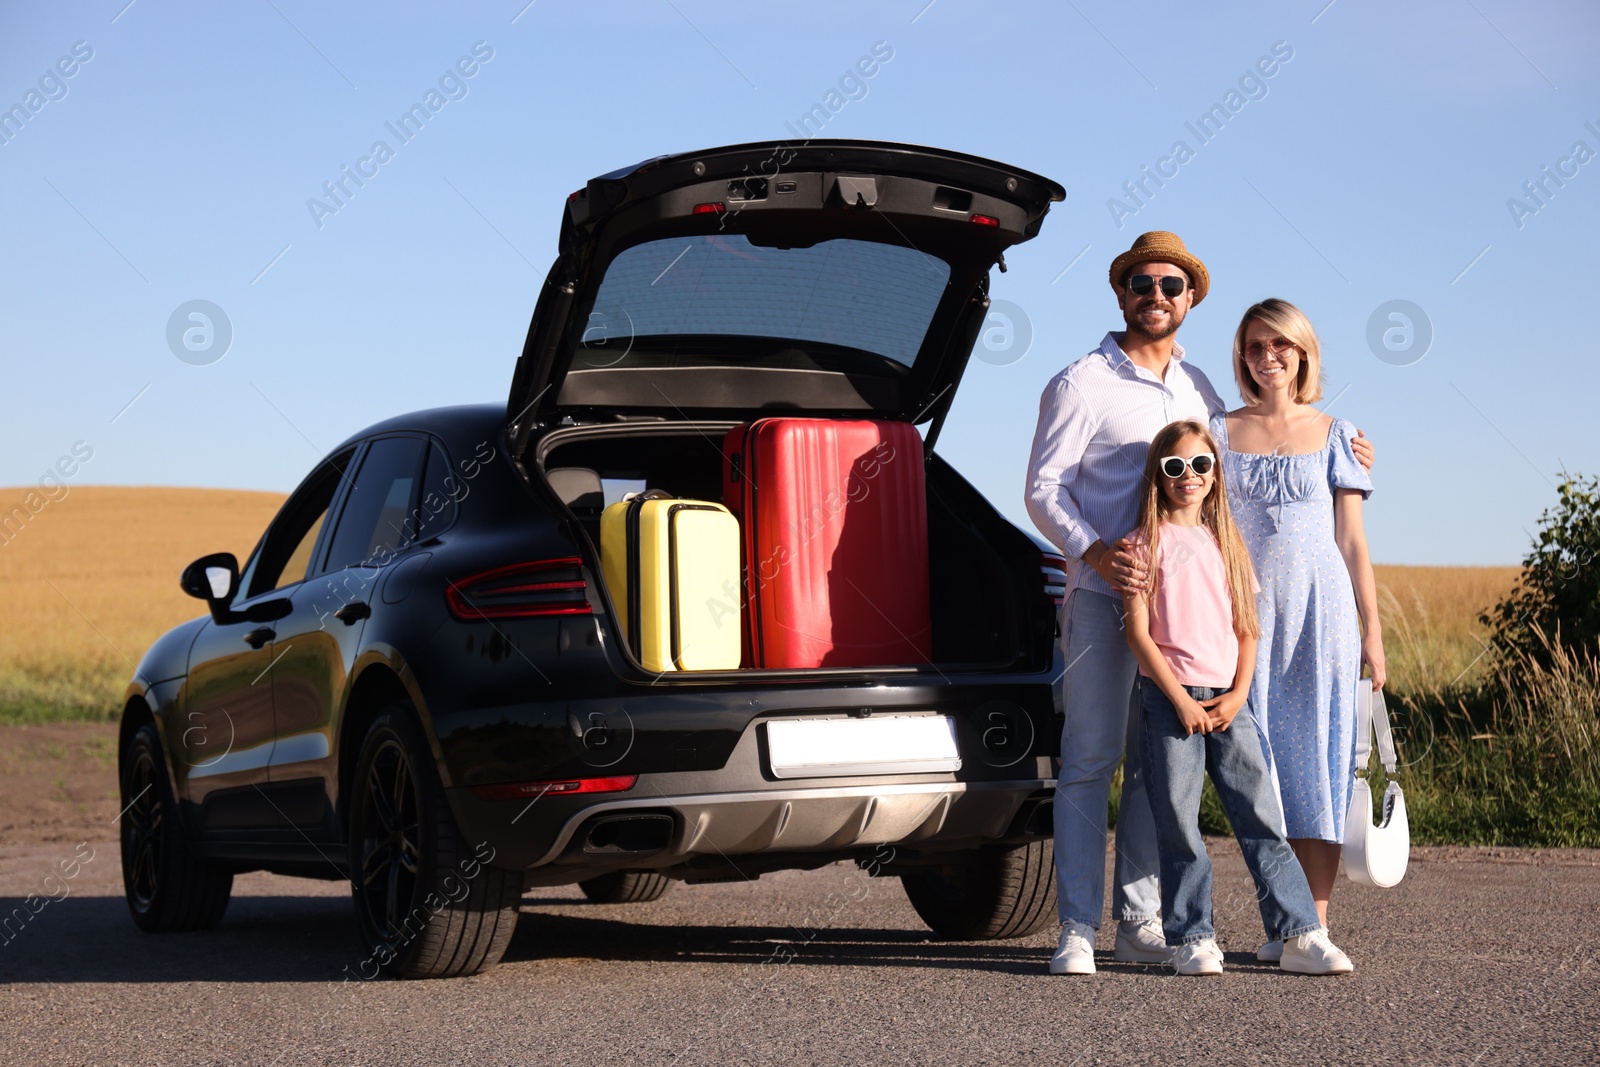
(1102, 724)
(1176, 764)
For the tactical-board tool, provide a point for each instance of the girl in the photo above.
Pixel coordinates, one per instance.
(1297, 489)
(1193, 630)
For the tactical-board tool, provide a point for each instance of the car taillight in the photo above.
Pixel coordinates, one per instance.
(985, 220)
(710, 209)
(1054, 570)
(522, 590)
(525, 790)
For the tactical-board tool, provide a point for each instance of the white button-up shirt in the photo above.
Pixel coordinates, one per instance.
(1096, 421)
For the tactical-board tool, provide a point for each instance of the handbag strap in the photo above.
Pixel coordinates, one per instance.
(1372, 717)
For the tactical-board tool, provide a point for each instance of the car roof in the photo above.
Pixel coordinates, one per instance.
(449, 423)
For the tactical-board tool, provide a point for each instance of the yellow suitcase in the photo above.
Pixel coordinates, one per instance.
(672, 567)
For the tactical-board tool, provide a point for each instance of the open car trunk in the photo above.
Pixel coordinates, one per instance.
(990, 609)
(838, 279)
(842, 280)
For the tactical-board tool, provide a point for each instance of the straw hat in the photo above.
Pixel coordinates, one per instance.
(1159, 246)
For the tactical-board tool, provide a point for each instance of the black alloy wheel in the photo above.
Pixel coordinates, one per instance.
(428, 905)
(390, 839)
(168, 886)
(142, 830)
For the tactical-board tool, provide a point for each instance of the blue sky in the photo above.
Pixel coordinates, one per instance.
(1377, 163)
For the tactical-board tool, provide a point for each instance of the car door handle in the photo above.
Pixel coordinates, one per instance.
(259, 636)
(353, 613)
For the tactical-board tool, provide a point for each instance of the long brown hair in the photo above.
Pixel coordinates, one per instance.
(1214, 516)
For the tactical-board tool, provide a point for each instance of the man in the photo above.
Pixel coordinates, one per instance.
(1096, 421)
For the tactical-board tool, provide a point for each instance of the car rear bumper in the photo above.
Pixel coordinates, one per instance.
(683, 833)
(806, 820)
(681, 815)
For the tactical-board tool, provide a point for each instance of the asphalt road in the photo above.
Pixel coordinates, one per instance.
(1480, 957)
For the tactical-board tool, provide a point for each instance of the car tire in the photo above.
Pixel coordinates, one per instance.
(428, 904)
(989, 894)
(625, 887)
(168, 886)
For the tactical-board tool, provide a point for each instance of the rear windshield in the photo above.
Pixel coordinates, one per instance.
(855, 294)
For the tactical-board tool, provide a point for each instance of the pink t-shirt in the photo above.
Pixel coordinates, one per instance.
(1191, 619)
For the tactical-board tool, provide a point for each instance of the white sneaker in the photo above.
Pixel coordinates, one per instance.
(1271, 952)
(1142, 942)
(1075, 955)
(1313, 953)
(1199, 957)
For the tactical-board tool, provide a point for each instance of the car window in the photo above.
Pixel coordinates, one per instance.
(300, 559)
(285, 554)
(615, 489)
(377, 517)
(877, 298)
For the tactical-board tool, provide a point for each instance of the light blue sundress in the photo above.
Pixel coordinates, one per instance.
(1308, 662)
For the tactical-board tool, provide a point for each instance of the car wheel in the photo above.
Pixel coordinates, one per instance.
(625, 887)
(428, 904)
(168, 887)
(991, 893)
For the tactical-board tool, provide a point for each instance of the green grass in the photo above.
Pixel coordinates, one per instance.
(1510, 758)
(36, 695)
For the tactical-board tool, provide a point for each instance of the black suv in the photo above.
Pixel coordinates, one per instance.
(417, 681)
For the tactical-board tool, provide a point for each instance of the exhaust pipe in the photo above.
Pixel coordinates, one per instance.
(611, 835)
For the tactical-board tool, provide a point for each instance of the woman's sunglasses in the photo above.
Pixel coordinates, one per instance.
(1174, 466)
(1144, 284)
(1278, 347)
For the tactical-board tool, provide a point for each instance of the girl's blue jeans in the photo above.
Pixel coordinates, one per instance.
(1175, 766)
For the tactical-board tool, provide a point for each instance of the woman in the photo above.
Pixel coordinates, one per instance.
(1296, 490)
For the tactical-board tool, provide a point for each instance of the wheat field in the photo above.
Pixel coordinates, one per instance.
(92, 579)
(1431, 633)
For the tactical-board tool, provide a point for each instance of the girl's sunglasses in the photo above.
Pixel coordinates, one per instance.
(1144, 284)
(1174, 466)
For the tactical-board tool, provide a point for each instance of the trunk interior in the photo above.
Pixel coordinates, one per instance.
(989, 609)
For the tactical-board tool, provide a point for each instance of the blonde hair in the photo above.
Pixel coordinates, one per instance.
(1215, 516)
(1290, 322)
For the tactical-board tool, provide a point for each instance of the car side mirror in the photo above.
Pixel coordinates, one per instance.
(214, 579)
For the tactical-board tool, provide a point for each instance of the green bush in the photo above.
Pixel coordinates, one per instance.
(1512, 757)
(1558, 595)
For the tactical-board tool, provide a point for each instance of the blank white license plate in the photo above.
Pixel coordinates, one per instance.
(880, 744)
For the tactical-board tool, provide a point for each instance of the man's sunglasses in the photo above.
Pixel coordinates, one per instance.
(1174, 466)
(1144, 284)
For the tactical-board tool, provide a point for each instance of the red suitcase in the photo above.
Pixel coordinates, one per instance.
(834, 516)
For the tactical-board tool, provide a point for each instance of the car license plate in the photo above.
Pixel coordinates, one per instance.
(880, 744)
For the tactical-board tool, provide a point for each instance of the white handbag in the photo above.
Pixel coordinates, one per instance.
(1375, 855)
